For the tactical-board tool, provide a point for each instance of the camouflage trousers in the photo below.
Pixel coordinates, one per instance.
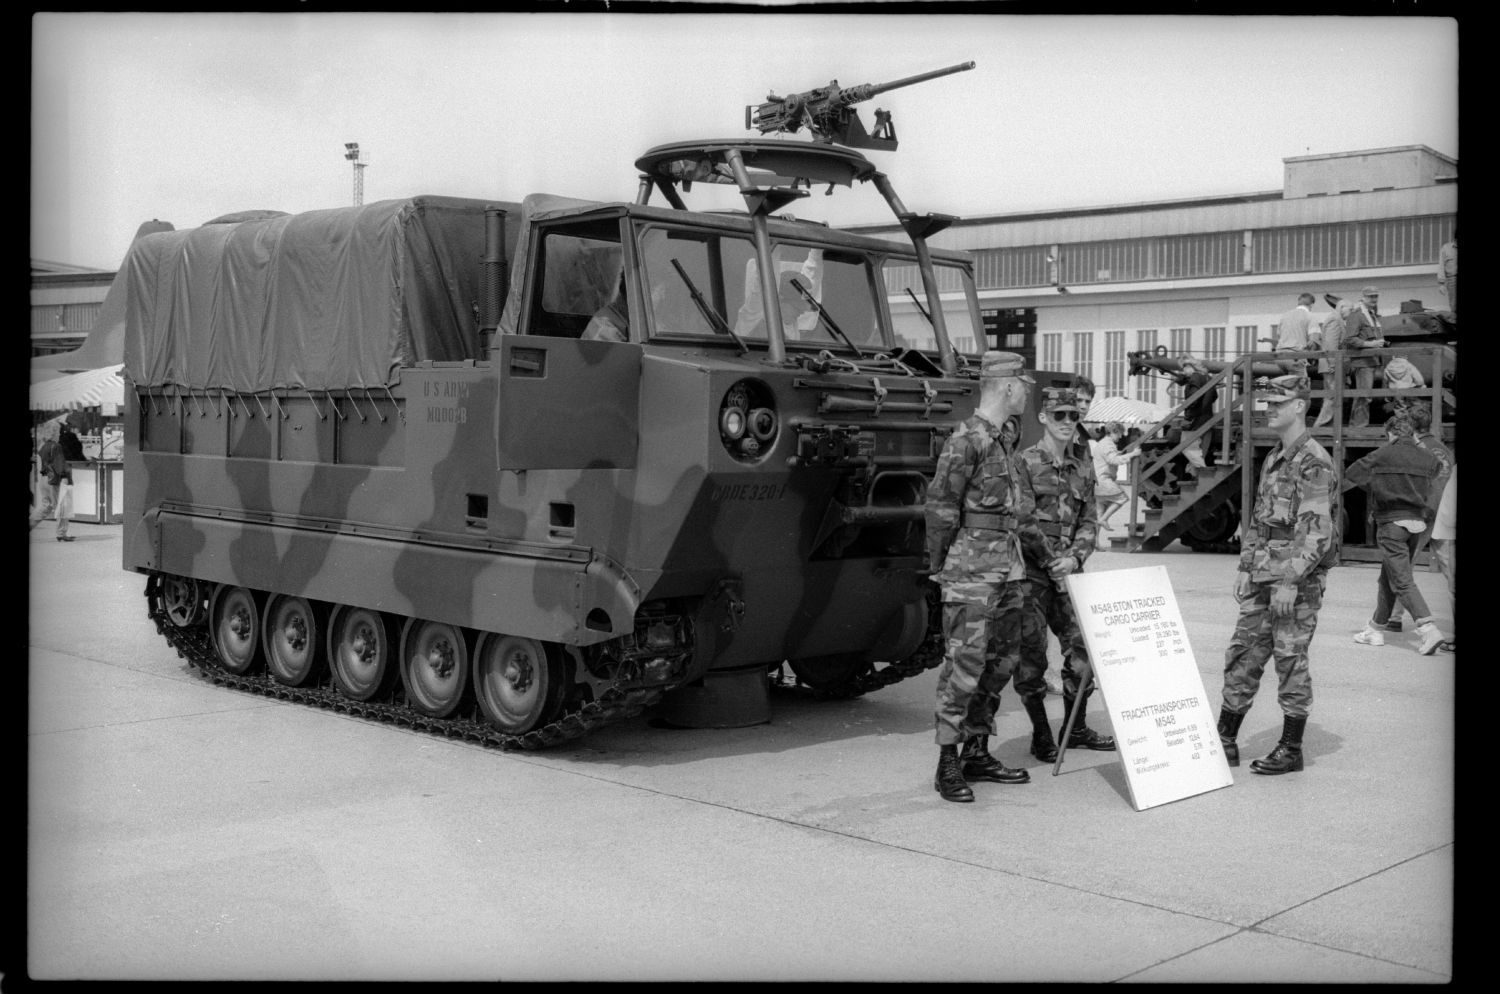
(1048, 608)
(982, 625)
(1259, 635)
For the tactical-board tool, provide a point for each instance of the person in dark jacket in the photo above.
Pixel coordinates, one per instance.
(1398, 477)
(1193, 376)
(57, 479)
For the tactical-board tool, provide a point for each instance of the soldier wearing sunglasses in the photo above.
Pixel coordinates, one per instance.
(1058, 540)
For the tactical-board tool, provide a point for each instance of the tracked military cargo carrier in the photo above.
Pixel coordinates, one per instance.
(509, 471)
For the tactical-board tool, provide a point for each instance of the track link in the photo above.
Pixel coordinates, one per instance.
(929, 655)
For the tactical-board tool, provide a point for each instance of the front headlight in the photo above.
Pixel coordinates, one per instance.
(732, 423)
(748, 422)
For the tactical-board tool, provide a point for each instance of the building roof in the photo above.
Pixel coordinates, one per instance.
(1374, 151)
(1195, 215)
(44, 267)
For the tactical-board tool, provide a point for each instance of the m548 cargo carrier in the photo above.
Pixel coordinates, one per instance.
(509, 471)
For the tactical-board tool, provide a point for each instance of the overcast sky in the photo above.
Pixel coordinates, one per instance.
(184, 117)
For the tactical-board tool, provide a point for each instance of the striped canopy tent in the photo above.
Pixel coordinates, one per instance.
(1125, 411)
(101, 388)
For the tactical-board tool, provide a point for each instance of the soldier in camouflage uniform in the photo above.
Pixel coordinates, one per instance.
(1057, 541)
(1283, 568)
(973, 547)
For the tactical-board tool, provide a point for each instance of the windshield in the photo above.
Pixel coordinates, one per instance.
(708, 283)
(903, 281)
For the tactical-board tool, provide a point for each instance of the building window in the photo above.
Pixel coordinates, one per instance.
(1114, 363)
(1213, 343)
(1145, 386)
(1051, 353)
(1083, 354)
(1244, 338)
(1307, 248)
(1404, 241)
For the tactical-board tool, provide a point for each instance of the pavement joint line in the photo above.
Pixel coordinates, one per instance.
(135, 721)
(1257, 930)
(1349, 883)
(1257, 927)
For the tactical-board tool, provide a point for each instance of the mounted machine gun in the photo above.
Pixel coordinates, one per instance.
(829, 114)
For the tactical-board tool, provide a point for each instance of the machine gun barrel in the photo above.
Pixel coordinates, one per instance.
(858, 94)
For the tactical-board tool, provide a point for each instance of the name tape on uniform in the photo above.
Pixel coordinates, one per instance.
(1162, 719)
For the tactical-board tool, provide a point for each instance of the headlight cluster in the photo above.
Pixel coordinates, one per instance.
(748, 423)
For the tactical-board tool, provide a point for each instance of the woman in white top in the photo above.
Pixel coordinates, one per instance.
(1108, 496)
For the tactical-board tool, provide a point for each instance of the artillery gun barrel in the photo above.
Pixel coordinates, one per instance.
(869, 90)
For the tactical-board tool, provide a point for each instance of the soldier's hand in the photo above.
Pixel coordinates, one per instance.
(1241, 585)
(1062, 566)
(1283, 599)
(1083, 668)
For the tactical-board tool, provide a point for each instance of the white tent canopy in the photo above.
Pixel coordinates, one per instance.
(1125, 411)
(101, 388)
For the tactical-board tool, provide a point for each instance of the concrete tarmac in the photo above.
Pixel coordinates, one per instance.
(181, 831)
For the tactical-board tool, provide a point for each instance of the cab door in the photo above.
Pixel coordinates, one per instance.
(567, 401)
(567, 404)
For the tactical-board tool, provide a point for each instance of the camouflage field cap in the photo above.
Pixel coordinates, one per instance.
(1059, 399)
(1282, 388)
(1003, 364)
(1370, 291)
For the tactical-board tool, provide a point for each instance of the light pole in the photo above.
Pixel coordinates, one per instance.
(351, 152)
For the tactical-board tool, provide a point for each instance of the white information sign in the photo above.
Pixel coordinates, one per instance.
(1162, 719)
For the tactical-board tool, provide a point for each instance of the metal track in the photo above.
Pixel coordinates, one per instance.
(195, 645)
(929, 655)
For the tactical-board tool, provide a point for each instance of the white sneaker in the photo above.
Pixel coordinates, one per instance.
(1371, 637)
(1431, 638)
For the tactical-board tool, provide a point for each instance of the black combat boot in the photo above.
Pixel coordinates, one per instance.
(1287, 756)
(1082, 736)
(950, 778)
(1042, 746)
(976, 763)
(1229, 727)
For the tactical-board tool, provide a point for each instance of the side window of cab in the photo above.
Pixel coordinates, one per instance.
(581, 283)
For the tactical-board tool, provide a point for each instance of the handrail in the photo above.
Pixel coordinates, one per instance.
(1139, 474)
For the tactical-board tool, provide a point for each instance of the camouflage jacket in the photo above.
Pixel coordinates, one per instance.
(974, 508)
(1292, 524)
(1065, 520)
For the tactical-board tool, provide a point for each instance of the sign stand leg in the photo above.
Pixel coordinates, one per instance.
(1078, 702)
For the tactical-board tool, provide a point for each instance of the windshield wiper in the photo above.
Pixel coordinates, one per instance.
(709, 314)
(920, 308)
(824, 316)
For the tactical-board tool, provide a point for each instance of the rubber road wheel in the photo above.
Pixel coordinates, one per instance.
(434, 667)
(293, 640)
(518, 683)
(360, 650)
(236, 629)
